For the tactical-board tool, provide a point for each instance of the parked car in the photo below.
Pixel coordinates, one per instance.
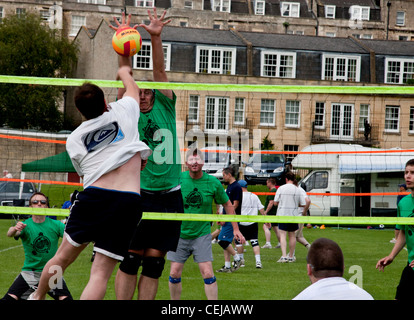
(215, 162)
(10, 193)
(262, 166)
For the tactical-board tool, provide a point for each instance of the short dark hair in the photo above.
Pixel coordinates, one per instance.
(272, 181)
(325, 258)
(39, 194)
(410, 163)
(290, 176)
(230, 170)
(90, 100)
(194, 152)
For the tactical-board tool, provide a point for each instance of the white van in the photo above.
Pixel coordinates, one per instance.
(352, 169)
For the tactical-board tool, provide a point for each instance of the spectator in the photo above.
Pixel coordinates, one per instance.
(40, 236)
(325, 268)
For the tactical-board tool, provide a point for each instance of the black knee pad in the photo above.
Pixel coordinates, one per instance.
(131, 263)
(152, 267)
(254, 242)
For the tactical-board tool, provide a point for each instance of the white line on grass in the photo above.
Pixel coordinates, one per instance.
(7, 249)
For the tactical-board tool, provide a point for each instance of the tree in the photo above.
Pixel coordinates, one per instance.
(28, 47)
(267, 143)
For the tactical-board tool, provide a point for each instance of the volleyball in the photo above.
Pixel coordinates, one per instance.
(126, 41)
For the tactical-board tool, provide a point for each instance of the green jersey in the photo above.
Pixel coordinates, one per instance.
(269, 198)
(198, 196)
(157, 128)
(406, 209)
(40, 242)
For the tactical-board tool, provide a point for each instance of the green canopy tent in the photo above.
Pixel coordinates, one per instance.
(57, 163)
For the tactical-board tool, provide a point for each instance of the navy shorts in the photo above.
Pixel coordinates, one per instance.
(405, 287)
(106, 217)
(162, 235)
(290, 227)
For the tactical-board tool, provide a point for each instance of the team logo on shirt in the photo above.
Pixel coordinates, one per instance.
(41, 244)
(152, 134)
(193, 199)
(102, 137)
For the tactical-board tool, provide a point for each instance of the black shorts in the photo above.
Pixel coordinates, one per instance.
(27, 281)
(289, 227)
(106, 217)
(162, 235)
(250, 232)
(405, 287)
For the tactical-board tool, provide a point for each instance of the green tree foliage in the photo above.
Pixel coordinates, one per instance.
(267, 144)
(28, 47)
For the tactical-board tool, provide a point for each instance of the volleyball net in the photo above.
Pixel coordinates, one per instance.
(338, 140)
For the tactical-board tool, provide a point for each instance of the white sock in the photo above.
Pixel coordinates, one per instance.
(227, 264)
(257, 256)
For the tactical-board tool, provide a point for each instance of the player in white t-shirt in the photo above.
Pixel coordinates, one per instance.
(325, 268)
(288, 199)
(106, 150)
(250, 206)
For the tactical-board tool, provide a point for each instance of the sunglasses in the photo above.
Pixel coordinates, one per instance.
(37, 201)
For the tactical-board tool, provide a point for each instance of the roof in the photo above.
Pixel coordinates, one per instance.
(349, 3)
(302, 43)
(351, 158)
(390, 47)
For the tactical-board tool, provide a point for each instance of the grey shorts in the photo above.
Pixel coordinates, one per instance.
(200, 248)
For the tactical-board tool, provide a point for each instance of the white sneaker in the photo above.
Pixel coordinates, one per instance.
(282, 260)
(258, 265)
(267, 246)
(291, 259)
(393, 240)
(278, 246)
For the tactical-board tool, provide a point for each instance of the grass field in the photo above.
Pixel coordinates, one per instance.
(361, 247)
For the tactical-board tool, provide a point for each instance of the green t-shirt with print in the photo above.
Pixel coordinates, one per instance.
(157, 128)
(406, 209)
(40, 242)
(198, 196)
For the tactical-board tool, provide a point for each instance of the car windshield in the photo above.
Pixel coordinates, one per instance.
(219, 157)
(13, 187)
(266, 158)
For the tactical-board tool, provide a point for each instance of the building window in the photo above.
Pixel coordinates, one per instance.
(400, 18)
(188, 4)
(77, 23)
(398, 70)
(341, 68)
(411, 128)
(216, 114)
(330, 12)
(216, 60)
(144, 3)
(143, 59)
(342, 125)
(292, 116)
(259, 7)
(290, 9)
(278, 64)
(267, 112)
(359, 13)
(1, 14)
(363, 116)
(392, 118)
(20, 12)
(289, 147)
(320, 115)
(193, 108)
(239, 111)
(221, 5)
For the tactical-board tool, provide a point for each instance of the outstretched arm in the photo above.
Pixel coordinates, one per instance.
(154, 29)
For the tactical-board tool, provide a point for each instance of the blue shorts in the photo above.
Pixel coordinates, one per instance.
(289, 227)
(226, 233)
(106, 217)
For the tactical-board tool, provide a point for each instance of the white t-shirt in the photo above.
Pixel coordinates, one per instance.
(289, 198)
(334, 288)
(250, 205)
(105, 143)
